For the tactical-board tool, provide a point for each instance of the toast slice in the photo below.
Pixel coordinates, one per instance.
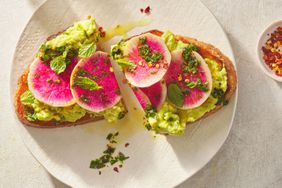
(20, 108)
(211, 52)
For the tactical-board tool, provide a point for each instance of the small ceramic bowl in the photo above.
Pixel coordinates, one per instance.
(263, 38)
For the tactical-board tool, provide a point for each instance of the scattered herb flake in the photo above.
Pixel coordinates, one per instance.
(49, 80)
(84, 98)
(108, 157)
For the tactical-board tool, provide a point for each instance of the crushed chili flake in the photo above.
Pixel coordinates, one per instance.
(126, 145)
(124, 81)
(102, 32)
(116, 169)
(273, 51)
(147, 10)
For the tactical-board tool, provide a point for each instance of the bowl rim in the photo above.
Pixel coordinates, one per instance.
(260, 43)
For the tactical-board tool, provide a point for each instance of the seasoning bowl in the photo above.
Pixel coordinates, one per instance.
(262, 40)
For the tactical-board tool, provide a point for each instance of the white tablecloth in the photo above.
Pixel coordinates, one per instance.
(252, 154)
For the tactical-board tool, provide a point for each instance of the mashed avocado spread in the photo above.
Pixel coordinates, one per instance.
(36, 110)
(81, 32)
(171, 120)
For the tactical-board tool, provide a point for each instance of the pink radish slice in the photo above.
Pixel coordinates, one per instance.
(143, 74)
(156, 94)
(48, 87)
(194, 97)
(97, 68)
(141, 97)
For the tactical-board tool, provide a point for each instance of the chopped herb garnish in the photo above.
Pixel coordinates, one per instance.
(83, 72)
(86, 50)
(59, 58)
(142, 40)
(146, 52)
(58, 64)
(190, 64)
(218, 94)
(57, 81)
(49, 80)
(84, 98)
(121, 115)
(111, 137)
(121, 157)
(125, 63)
(202, 86)
(156, 57)
(110, 150)
(86, 83)
(148, 126)
(108, 155)
(191, 85)
(97, 164)
(199, 84)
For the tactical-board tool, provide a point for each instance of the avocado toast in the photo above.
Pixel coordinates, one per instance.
(69, 71)
(177, 80)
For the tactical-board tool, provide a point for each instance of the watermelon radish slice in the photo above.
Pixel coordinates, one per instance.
(193, 95)
(155, 95)
(48, 87)
(141, 97)
(97, 70)
(146, 72)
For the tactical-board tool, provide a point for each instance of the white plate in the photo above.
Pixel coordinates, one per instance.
(154, 162)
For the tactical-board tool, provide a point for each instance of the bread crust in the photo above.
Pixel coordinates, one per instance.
(210, 51)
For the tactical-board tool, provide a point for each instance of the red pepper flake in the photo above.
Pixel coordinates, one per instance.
(273, 51)
(102, 32)
(126, 145)
(116, 169)
(147, 10)
(124, 81)
(165, 66)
